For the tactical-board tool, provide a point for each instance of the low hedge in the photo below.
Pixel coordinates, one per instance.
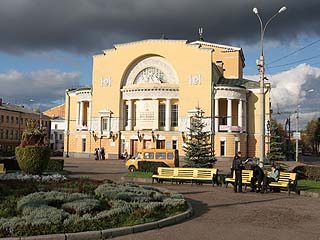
(308, 172)
(10, 163)
(145, 166)
(55, 165)
(33, 159)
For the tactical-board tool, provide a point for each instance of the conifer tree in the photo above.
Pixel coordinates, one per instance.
(198, 146)
(276, 151)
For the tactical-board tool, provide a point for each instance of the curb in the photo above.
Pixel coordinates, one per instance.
(136, 180)
(113, 232)
(310, 194)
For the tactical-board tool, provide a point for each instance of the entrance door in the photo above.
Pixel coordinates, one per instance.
(222, 148)
(133, 147)
(161, 144)
(147, 144)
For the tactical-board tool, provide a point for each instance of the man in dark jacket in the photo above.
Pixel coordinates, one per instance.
(258, 175)
(237, 167)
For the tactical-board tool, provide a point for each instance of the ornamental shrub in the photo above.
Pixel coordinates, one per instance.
(33, 159)
(308, 172)
(145, 166)
(55, 165)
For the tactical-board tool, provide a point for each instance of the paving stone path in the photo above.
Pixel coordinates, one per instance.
(221, 214)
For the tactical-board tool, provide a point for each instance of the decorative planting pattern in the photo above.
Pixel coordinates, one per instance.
(112, 205)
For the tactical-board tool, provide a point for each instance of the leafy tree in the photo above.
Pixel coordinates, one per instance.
(198, 146)
(311, 136)
(276, 151)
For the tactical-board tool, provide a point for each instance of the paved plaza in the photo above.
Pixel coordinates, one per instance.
(219, 213)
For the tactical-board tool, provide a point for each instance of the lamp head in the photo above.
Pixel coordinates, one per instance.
(255, 10)
(282, 9)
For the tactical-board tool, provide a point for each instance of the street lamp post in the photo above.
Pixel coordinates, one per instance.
(260, 64)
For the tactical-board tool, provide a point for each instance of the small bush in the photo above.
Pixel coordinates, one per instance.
(145, 166)
(55, 165)
(33, 159)
(308, 172)
(10, 163)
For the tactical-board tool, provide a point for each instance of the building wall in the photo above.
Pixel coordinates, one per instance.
(13, 121)
(56, 111)
(190, 62)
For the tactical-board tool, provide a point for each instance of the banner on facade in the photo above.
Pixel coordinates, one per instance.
(147, 114)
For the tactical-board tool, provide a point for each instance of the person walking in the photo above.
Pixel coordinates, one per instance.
(237, 167)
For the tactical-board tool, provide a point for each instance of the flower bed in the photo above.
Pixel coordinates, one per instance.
(81, 205)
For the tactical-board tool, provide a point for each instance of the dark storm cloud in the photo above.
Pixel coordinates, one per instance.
(91, 25)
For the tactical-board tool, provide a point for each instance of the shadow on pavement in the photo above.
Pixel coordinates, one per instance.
(247, 202)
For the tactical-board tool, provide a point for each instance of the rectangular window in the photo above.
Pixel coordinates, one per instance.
(174, 115)
(17, 120)
(160, 155)
(12, 119)
(148, 155)
(104, 124)
(162, 115)
(56, 126)
(1, 133)
(60, 136)
(7, 119)
(222, 148)
(170, 156)
(174, 144)
(21, 120)
(83, 144)
(2, 118)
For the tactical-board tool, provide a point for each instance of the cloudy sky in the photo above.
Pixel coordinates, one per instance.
(46, 46)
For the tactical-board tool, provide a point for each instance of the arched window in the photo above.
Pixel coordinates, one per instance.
(150, 75)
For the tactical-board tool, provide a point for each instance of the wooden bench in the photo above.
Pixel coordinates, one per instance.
(246, 178)
(2, 168)
(192, 174)
(286, 181)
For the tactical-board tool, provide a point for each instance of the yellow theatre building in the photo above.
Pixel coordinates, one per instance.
(144, 94)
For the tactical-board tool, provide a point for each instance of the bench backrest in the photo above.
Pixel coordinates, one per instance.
(205, 172)
(164, 171)
(2, 169)
(247, 175)
(188, 172)
(185, 172)
(286, 177)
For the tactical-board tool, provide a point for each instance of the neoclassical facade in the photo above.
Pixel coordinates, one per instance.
(144, 94)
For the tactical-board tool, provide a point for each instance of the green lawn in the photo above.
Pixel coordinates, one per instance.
(309, 185)
(138, 174)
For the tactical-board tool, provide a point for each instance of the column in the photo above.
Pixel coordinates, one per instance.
(78, 115)
(168, 114)
(81, 114)
(244, 116)
(130, 114)
(90, 115)
(216, 115)
(229, 114)
(240, 114)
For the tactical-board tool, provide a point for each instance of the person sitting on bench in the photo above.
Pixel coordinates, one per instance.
(274, 177)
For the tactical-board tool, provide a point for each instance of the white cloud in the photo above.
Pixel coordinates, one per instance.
(45, 86)
(297, 86)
